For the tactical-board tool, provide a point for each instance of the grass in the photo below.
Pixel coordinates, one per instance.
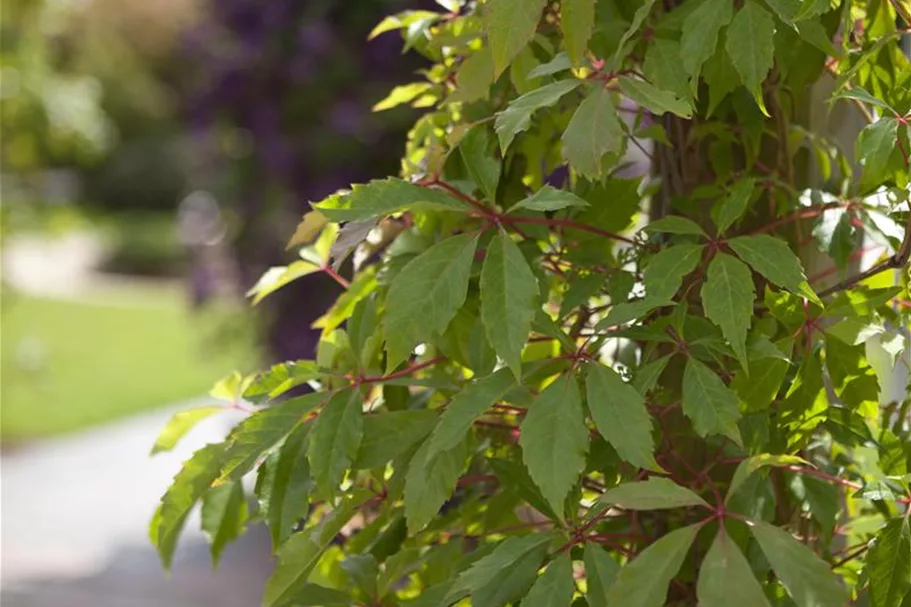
(71, 364)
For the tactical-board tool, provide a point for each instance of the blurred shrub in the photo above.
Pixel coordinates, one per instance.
(144, 243)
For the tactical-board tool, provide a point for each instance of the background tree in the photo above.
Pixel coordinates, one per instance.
(559, 386)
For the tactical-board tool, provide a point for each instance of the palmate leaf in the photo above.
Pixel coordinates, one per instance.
(710, 405)
(426, 295)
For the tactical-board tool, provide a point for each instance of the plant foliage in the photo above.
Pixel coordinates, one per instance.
(549, 383)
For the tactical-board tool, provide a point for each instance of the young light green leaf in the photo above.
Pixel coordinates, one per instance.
(404, 93)
(554, 440)
(474, 77)
(429, 483)
(483, 167)
(194, 479)
(808, 580)
(426, 294)
(577, 18)
(510, 25)
(700, 34)
(179, 424)
(773, 258)
(336, 438)
(621, 417)
(600, 571)
(750, 465)
(709, 404)
(263, 430)
(655, 100)
(656, 493)
(487, 570)
(284, 484)
(749, 45)
(308, 229)
(516, 118)
(726, 578)
(382, 197)
(727, 298)
(888, 564)
(390, 434)
(644, 581)
(277, 277)
(593, 131)
(734, 205)
(549, 198)
(665, 271)
(875, 145)
(555, 587)
(674, 224)
(224, 516)
(466, 407)
(509, 299)
(364, 284)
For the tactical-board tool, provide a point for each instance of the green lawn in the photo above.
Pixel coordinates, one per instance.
(68, 365)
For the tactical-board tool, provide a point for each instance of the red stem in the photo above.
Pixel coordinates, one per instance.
(403, 373)
(336, 277)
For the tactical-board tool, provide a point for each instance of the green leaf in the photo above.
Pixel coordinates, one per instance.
(773, 258)
(382, 197)
(709, 404)
(336, 438)
(224, 516)
(727, 298)
(549, 198)
(749, 45)
(888, 564)
(194, 479)
(483, 167)
(429, 483)
(404, 93)
(284, 484)
(663, 66)
(280, 378)
(262, 430)
(389, 434)
(758, 389)
(510, 25)
(656, 493)
(665, 271)
(509, 299)
(638, 19)
(600, 571)
(426, 294)
(577, 18)
(277, 277)
(875, 145)
(515, 477)
(725, 577)
(516, 118)
(314, 595)
(555, 587)
(700, 34)
(311, 224)
(621, 417)
(179, 424)
(858, 93)
(489, 569)
(643, 582)
(560, 63)
(474, 77)
(674, 224)
(593, 131)
(466, 407)
(631, 310)
(808, 580)
(655, 100)
(364, 284)
(750, 465)
(720, 76)
(734, 205)
(554, 440)
(647, 376)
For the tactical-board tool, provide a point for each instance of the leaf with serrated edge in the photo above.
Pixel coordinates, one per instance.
(426, 294)
(486, 570)
(621, 417)
(429, 483)
(656, 493)
(809, 580)
(727, 298)
(178, 426)
(382, 197)
(577, 18)
(510, 25)
(665, 271)
(726, 578)
(482, 166)
(555, 587)
(224, 516)
(888, 565)
(283, 486)
(509, 299)
(600, 571)
(516, 118)
(773, 258)
(655, 100)
(710, 405)
(749, 45)
(734, 205)
(554, 440)
(336, 438)
(674, 224)
(643, 582)
(549, 198)
(593, 131)
(700, 34)
(752, 464)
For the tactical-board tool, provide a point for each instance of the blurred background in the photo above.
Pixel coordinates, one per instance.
(155, 158)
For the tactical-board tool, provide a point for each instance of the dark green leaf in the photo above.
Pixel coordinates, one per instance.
(555, 587)
(647, 376)
(284, 486)
(509, 299)
(664, 67)
(725, 577)
(554, 440)
(593, 131)
(888, 565)
(510, 25)
(429, 483)
(656, 493)
(665, 272)
(709, 404)
(336, 438)
(631, 310)
(549, 198)
(426, 294)
(700, 34)
(674, 224)
(600, 571)
(752, 464)
(224, 515)
(577, 18)
(389, 434)
(773, 258)
(621, 417)
(749, 45)
(560, 63)
(727, 298)
(515, 477)
(482, 166)
(734, 205)
(486, 570)
(654, 99)
(516, 118)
